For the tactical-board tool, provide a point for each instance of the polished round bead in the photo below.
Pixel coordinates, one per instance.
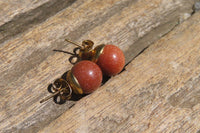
(88, 75)
(111, 60)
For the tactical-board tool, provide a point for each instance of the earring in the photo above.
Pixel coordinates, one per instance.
(84, 78)
(109, 58)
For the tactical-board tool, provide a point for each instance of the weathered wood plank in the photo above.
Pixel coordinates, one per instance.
(19, 16)
(28, 63)
(10, 9)
(160, 91)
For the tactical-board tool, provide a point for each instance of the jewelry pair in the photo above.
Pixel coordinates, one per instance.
(87, 74)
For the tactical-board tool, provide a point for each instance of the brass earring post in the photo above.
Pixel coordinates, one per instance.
(73, 43)
(48, 97)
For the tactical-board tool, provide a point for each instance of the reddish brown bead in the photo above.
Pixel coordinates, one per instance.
(112, 60)
(88, 74)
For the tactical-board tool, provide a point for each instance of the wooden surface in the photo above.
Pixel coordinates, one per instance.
(18, 16)
(160, 91)
(136, 103)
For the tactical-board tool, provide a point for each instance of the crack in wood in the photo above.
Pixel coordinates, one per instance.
(27, 20)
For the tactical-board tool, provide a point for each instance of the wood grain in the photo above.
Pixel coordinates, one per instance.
(29, 64)
(10, 9)
(19, 16)
(160, 91)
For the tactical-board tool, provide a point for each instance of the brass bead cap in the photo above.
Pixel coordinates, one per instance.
(98, 50)
(76, 88)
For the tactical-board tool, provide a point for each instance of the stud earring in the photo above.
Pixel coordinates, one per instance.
(84, 78)
(109, 58)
